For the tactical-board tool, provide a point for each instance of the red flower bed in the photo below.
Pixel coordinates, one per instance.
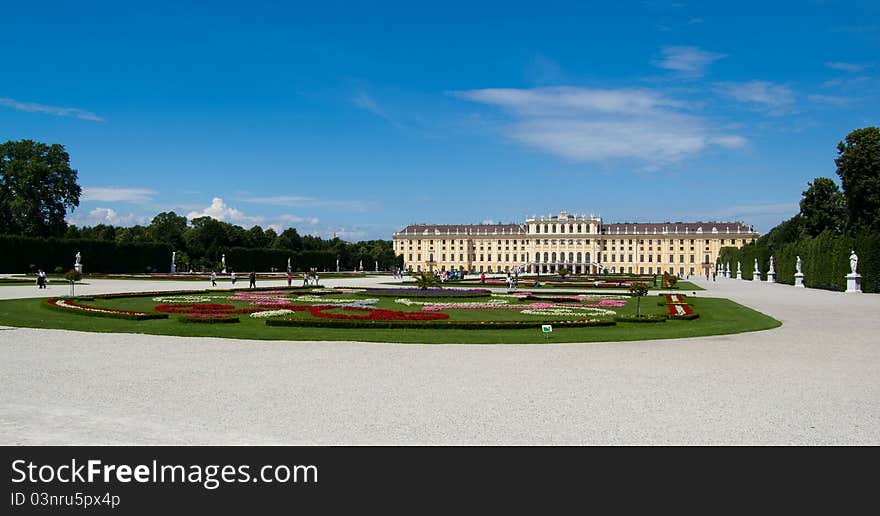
(364, 314)
(678, 310)
(203, 308)
(210, 318)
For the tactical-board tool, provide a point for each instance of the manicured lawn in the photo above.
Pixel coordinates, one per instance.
(717, 316)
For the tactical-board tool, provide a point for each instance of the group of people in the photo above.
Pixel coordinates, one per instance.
(397, 273)
(310, 278)
(41, 279)
(252, 277)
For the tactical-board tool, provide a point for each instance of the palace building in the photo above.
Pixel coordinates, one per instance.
(582, 244)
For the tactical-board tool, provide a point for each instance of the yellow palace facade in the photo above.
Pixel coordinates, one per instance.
(582, 244)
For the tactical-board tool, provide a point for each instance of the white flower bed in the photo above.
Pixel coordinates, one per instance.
(63, 304)
(568, 311)
(187, 299)
(488, 304)
(325, 301)
(271, 313)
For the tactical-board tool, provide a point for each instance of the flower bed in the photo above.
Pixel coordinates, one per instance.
(563, 311)
(271, 313)
(680, 311)
(673, 299)
(203, 308)
(374, 314)
(209, 318)
(447, 325)
(431, 292)
(74, 307)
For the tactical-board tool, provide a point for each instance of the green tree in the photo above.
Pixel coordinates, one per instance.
(563, 272)
(823, 207)
(858, 165)
(37, 187)
(168, 227)
(638, 289)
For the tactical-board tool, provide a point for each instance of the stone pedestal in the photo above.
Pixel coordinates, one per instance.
(771, 277)
(173, 268)
(756, 276)
(854, 283)
(78, 268)
(799, 280)
(739, 275)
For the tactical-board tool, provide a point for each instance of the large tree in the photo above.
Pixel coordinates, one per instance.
(168, 227)
(823, 207)
(37, 187)
(858, 165)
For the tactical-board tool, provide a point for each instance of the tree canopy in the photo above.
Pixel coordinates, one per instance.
(37, 187)
(823, 207)
(858, 165)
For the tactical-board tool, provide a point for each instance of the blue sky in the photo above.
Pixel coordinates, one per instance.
(355, 119)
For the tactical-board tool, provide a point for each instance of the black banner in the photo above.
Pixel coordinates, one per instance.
(255, 480)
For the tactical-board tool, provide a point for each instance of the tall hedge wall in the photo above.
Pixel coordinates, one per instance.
(825, 260)
(24, 254)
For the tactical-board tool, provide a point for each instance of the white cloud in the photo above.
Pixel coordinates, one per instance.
(220, 211)
(296, 219)
(33, 107)
(117, 194)
(296, 201)
(364, 101)
(847, 67)
(595, 125)
(834, 100)
(687, 61)
(774, 98)
(107, 216)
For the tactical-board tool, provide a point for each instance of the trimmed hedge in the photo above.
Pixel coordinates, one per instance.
(825, 259)
(19, 253)
(446, 325)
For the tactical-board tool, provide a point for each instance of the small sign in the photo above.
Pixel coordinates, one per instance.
(546, 328)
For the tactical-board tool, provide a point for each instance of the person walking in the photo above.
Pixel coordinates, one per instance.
(289, 278)
(482, 277)
(232, 276)
(305, 279)
(41, 279)
(213, 279)
(317, 278)
(253, 278)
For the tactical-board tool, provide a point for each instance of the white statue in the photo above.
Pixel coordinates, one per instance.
(223, 262)
(757, 269)
(77, 266)
(361, 265)
(78, 259)
(377, 266)
(288, 264)
(173, 265)
(728, 269)
(772, 268)
(337, 265)
(853, 261)
(739, 269)
(798, 265)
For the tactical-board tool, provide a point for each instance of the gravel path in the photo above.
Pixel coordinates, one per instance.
(815, 380)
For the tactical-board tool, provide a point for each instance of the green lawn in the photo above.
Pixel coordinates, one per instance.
(717, 316)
